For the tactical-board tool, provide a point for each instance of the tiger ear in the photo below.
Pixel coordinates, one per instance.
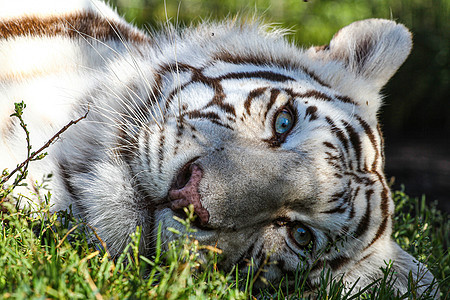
(373, 49)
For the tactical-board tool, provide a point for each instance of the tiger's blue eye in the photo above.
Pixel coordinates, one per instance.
(302, 236)
(283, 122)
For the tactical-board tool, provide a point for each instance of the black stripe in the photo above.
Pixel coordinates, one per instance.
(318, 95)
(245, 257)
(196, 114)
(75, 25)
(363, 224)
(359, 179)
(384, 211)
(222, 125)
(226, 56)
(345, 99)
(162, 138)
(269, 75)
(66, 174)
(380, 135)
(351, 215)
(355, 141)
(308, 94)
(146, 141)
(252, 95)
(339, 209)
(273, 97)
(334, 161)
(329, 145)
(311, 111)
(338, 262)
(371, 136)
(337, 196)
(260, 255)
(339, 134)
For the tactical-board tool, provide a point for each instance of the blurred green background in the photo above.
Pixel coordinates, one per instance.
(416, 114)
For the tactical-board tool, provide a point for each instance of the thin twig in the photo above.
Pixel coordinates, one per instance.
(49, 142)
(93, 230)
(67, 234)
(99, 239)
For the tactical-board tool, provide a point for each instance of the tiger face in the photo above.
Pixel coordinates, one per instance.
(277, 149)
(276, 164)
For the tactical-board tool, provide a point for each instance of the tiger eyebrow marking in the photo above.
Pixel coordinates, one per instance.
(258, 92)
(273, 97)
(308, 94)
(87, 23)
(269, 75)
(320, 96)
(215, 83)
(211, 116)
(228, 57)
(252, 95)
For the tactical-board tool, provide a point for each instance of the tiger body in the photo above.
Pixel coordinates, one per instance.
(196, 116)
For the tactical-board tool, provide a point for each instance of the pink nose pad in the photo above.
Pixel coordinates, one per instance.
(185, 192)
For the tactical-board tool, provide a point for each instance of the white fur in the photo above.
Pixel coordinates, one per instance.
(246, 185)
(45, 8)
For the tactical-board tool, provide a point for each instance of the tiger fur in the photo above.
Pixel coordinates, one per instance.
(198, 116)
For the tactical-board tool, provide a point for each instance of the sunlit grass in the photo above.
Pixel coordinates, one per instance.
(38, 259)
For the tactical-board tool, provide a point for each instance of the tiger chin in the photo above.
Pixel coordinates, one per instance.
(278, 149)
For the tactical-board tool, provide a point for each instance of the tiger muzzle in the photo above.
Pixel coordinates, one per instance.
(184, 192)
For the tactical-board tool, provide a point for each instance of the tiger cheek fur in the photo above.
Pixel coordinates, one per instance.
(277, 148)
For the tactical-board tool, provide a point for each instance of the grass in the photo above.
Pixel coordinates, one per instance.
(40, 258)
(50, 255)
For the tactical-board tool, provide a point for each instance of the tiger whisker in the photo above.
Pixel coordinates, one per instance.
(103, 58)
(178, 71)
(173, 39)
(137, 114)
(137, 68)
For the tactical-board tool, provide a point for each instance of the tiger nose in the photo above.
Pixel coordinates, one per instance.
(185, 191)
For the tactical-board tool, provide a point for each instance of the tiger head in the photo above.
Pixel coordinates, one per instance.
(277, 149)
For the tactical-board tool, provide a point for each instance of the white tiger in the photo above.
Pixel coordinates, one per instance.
(277, 148)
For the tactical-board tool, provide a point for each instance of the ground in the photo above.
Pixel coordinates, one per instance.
(422, 165)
